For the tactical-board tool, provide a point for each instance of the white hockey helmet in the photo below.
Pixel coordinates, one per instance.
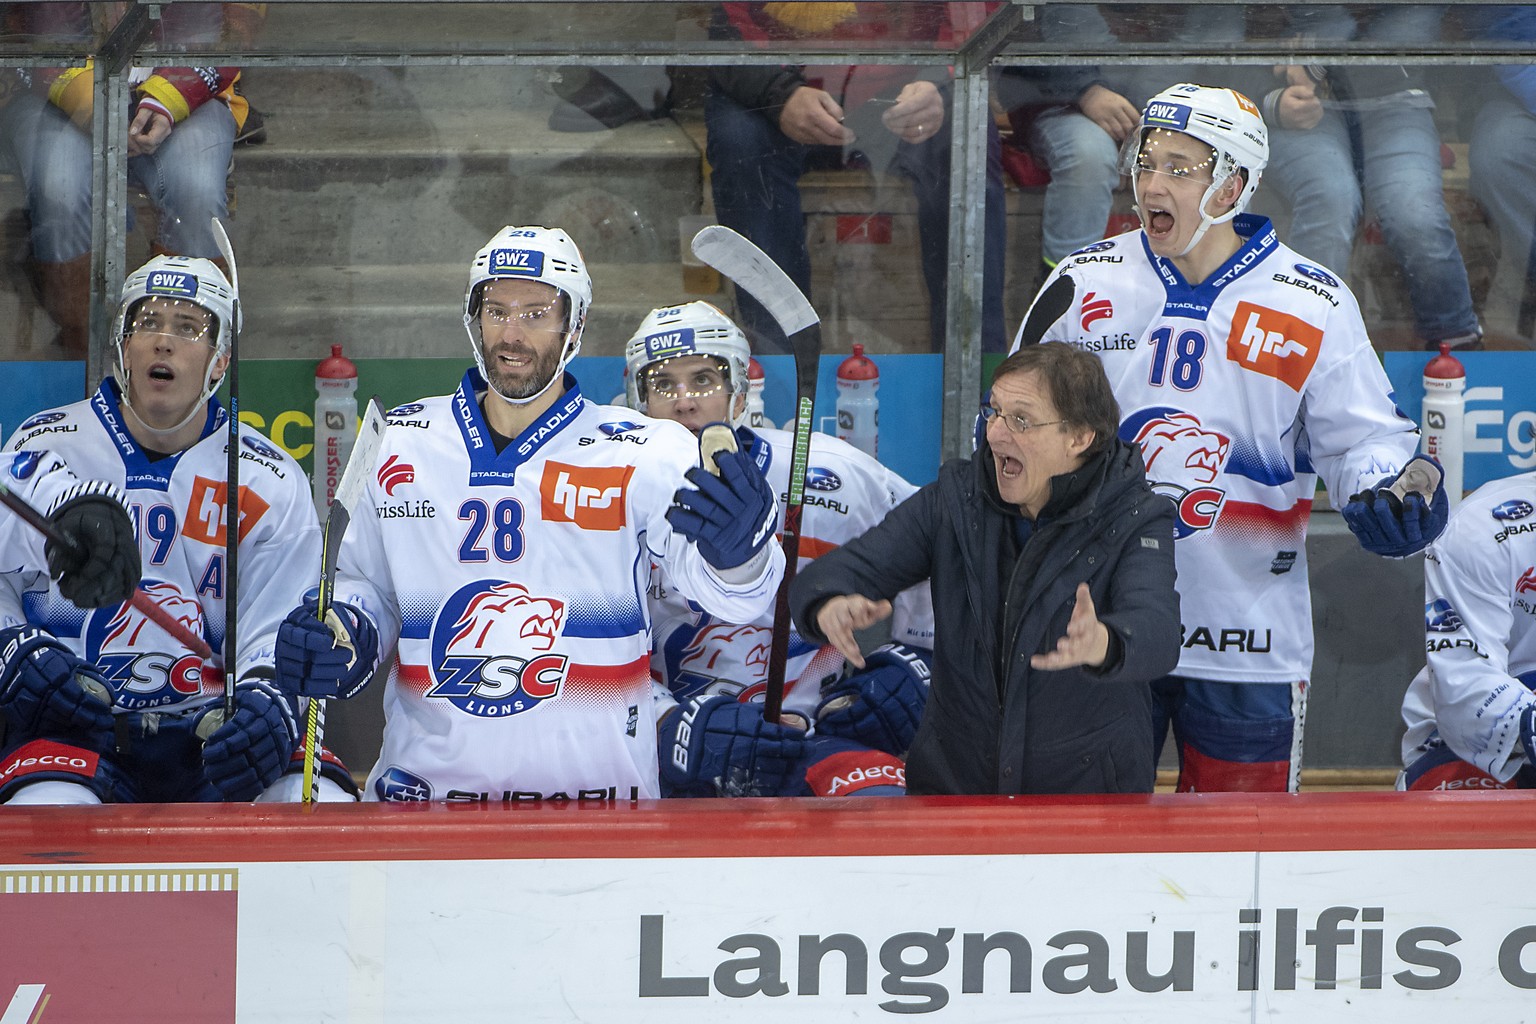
(190, 279)
(1223, 119)
(539, 254)
(695, 328)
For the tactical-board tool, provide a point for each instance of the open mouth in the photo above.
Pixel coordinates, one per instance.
(161, 372)
(1009, 467)
(1159, 223)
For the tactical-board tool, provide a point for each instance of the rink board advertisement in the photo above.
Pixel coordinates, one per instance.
(1015, 924)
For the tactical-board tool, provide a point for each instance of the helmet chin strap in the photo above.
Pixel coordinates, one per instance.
(477, 346)
(1206, 220)
(209, 387)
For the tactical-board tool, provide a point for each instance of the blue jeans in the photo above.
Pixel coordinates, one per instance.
(1083, 163)
(184, 178)
(1502, 156)
(756, 184)
(1389, 158)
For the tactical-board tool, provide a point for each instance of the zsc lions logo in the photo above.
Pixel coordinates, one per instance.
(1317, 274)
(818, 478)
(493, 649)
(1440, 617)
(1513, 509)
(259, 446)
(1183, 459)
(40, 419)
(144, 665)
(722, 658)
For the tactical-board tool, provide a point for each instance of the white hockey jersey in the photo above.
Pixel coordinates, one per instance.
(178, 510)
(515, 586)
(1479, 631)
(1240, 391)
(846, 492)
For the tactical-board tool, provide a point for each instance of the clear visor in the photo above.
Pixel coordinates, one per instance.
(176, 319)
(670, 381)
(1174, 155)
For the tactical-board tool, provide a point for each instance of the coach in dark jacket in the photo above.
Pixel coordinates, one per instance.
(1051, 563)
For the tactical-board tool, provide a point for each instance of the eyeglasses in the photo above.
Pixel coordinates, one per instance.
(1015, 424)
(698, 385)
(518, 314)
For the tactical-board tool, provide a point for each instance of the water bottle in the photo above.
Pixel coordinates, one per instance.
(858, 410)
(1445, 381)
(335, 424)
(756, 381)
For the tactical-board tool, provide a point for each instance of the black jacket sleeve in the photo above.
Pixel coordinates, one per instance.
(1142, 606)
(886, 559)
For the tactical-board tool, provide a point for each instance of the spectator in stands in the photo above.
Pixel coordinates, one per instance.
(1345, 137)
(1072, 120)
(180, 139)
(1503, 152)
(767, 124)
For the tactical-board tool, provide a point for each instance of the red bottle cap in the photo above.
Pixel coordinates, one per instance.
(858, 366)
(755, 370)
(1444, 366)
(336, 366)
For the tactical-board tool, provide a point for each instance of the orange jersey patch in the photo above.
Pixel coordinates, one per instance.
(1275, 344)
(592, 497)
(204, 518)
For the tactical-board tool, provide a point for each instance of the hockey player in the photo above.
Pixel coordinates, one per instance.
(501, 551)
(154, 429)
(1470, 712)
(689, 363)
(1243, 371)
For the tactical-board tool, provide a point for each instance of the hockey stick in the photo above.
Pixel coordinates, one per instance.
(139, 600)
(231, 478)
(1048, 307)
(365, 452)
(750, 269)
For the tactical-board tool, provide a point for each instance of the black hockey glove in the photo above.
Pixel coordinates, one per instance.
(101, 567)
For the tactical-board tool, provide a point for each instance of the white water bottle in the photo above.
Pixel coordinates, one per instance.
(756, 381)
(335, 424)
(1445, 381)
(858, 410)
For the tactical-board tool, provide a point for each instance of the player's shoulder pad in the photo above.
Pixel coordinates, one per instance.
(1505, 509)
(39, 429)
(418, 415)
(1110, 250)
(256, 450)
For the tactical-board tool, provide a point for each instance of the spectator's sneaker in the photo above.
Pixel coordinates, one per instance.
(254, 132)
(1472, 342)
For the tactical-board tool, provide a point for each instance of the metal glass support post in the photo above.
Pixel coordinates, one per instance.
(967, 213)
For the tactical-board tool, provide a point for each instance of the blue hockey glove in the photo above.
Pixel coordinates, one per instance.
(48, 692)
(881, 706)
(313, 660)
(102, 567)
(717, 746)
(1386, 524)
(730, 517)
(245, 755)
